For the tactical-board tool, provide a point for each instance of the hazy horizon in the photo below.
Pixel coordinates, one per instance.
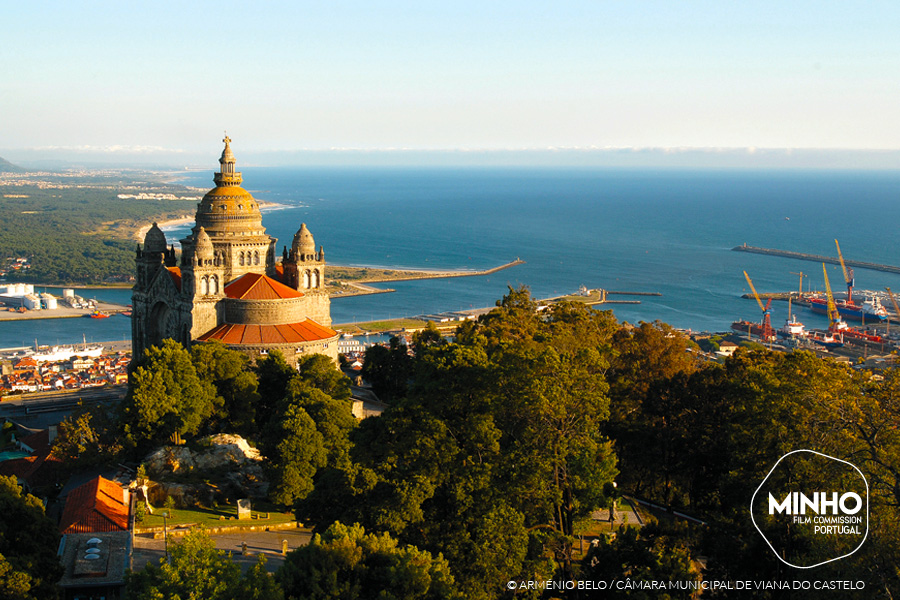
(686, 158)
(293, 81)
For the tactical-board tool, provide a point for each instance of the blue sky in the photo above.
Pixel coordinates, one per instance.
(168, 78)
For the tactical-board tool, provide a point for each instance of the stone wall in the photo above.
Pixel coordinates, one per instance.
(266, 312)
(292, 352)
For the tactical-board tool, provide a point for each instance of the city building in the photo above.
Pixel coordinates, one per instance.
(229, 284)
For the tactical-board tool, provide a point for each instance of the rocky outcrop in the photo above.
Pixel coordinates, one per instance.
(219, 466)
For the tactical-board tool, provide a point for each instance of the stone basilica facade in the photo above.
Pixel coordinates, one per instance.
(229, 285)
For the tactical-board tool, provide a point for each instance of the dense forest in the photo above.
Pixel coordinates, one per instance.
(496, 447)
(79, 231)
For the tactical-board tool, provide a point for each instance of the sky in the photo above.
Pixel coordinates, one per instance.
(166, 79)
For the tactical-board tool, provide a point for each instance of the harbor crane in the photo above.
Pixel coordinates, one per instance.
(848, 274)
(768, 334)
(836, 324)
(802, 275)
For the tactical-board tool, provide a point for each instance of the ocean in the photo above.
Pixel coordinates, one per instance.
(665, 231)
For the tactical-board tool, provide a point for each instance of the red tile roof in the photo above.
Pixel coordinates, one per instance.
(26, 362)
(21, 468)
(254, 286)
(175, 273)
(39, 442)
(305, 331)
(98, 505)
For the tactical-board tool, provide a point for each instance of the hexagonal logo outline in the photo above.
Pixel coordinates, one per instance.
(766, 478)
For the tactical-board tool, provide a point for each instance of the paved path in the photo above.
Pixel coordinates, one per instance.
(146, 549)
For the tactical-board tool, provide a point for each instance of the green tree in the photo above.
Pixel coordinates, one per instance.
(297, 456)
(86, 437)
(388, 369)
(333, 417)
(166, 397)
(259, 584)
(345, 563)
(641, 556)
(498, 438)
(235, 383)
(29, 568)
(318, 371)
(274, 375)
(427, 338)
(197, 570)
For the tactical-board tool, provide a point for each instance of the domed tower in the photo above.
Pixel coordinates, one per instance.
(154, 296)
(203, 281)
(232, 220)
(153, 255)
(304, 268)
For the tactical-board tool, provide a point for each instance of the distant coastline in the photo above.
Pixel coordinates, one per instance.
(140, 233)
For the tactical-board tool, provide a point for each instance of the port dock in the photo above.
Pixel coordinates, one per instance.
(817, 258)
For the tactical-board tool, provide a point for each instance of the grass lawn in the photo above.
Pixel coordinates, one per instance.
(209, 517)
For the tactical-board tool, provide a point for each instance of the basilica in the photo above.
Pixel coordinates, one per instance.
(229, 285)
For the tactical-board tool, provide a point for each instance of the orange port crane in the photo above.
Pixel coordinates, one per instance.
(768, 333)
(848, 274)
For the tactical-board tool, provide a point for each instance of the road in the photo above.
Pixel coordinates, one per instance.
(147, 549)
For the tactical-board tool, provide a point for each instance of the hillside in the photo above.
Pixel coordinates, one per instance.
(8, 167)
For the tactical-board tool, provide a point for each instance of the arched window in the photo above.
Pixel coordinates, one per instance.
(214, 284)
(241, 259)
(306, 279)
(256, 257)
(204, 286)
(315, 280)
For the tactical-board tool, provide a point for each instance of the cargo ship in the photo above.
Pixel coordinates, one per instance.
(792, 327)
(871, 310)
(825, 339)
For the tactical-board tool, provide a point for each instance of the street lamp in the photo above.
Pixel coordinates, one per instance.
(165, 515)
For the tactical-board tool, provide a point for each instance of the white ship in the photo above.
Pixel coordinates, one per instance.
(60, 353)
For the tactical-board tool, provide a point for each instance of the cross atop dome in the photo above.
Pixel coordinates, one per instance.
(227, 176)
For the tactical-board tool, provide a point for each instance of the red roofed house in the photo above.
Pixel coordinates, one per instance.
(96, 506)
(39, 470)
(230, 285)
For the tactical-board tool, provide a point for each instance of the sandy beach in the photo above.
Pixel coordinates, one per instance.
(185, 219)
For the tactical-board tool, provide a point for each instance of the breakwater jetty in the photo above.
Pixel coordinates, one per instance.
(355, 281)
(413, 275)
(817, 258)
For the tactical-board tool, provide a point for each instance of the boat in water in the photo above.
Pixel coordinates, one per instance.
(61, 353)
(870, 310)
(828, 340)
(98, 315)
(792, 327)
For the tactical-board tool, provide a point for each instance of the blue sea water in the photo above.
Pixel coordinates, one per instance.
(667, 231)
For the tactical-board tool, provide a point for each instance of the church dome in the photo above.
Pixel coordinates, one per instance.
(155, 240)
(228, 208)
(304, 244)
